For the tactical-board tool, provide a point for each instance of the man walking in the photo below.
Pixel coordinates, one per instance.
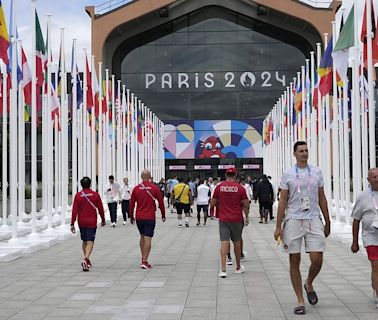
(182, 197)
(113, 195)
(302, 193)
(144, 196)
(265, 196)
(171, 184)
(125, 202)
(203, 199)
(84, 208)
(366, 211)
(231, 201)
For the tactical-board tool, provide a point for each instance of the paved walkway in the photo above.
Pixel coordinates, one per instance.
(183, 283)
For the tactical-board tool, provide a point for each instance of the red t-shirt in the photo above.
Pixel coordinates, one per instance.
(146, 208)
(84, 211)
(230, 195)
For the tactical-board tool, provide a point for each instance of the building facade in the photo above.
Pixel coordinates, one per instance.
(210, 69)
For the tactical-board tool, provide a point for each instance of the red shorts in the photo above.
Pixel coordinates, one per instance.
(372, 252)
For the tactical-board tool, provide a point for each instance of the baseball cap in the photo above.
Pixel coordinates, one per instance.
(231, 171)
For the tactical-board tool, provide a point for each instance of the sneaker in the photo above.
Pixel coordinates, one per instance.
(261, 221)
(198, 224)
(124, 222)
(222, 274)
(145, 265)
(114, 224)
(266, 222)
(229, 261)
(204, 225)
(186, 224)
(84, 265)
(89, 264)
(241, 270)
(180, 225)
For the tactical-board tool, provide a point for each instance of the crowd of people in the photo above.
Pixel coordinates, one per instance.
(302, 215)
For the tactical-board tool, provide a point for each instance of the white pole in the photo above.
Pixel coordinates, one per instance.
(64, 134)
(335, 140)
(100, 144)
(34, 126)
(117, 131)
(111, 153)
(346, 154)
(74, 122)
(372, 115)
(4, 227)
(93, 129)
(128, 112)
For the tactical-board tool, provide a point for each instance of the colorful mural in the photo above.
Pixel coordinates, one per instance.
(203, 139)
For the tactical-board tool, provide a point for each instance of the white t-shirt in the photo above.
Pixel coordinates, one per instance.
(126, 192)
(305, 184)
(112, 192)
(248, 190)
(203, 195)
(364, 210)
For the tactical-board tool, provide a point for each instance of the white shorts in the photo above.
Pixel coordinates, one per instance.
(312, 231)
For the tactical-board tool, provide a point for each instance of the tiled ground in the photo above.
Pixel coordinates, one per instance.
(183, 283)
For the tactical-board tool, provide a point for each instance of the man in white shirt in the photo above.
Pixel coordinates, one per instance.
(302, 194)
(113, 195)
(365, 211)
(247, 188)
(125, 196)
(203, 199)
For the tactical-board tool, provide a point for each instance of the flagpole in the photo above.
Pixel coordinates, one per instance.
(105, 133)
(21, 150)
(64, 134)
(364, 129)
(93, 129)
(74, 122)
(335, 140)
(346, 154)
(123, 132)
(128, 112)
(111, 154)
(84, 126)
(116, 130)
(100, 144)
(34, 125)
(372, 114)
(357, 106)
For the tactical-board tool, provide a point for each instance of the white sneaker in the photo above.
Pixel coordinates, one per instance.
(241, 270)
(229, 261)
(124, 222)
(222, 274)
(180, 225)
(187, 224)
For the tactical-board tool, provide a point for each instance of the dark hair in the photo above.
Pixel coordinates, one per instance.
(299, 143)
(264, 176)
(111, 177)
(85, 182)
(180, 179)
(202, 181)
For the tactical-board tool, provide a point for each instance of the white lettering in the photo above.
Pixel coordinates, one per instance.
(282, 80)
(183, 80)
(209, 77)
(266, 77)
(196, 80)
(229, 77)
(166, 79)
(150, 79)
(229, 189)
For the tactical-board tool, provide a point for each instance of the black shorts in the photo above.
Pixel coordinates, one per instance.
(204, 207)
(88, 234)
(180, 207)
(146, 227)
(230, 230)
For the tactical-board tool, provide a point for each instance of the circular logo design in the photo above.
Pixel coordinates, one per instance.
(247, 79)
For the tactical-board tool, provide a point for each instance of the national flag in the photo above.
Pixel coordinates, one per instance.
(325, 71)
(374, 35)
(90, 104)
(140, 124)
(41, 56)
(79, 89)
(298, 97)
(4, 37)
(344, 42)
(26, 82)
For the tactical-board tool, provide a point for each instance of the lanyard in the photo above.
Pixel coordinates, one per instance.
(372, 196)
(297, 178)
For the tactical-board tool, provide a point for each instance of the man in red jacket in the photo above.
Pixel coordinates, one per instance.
(231, 201)
(85, 207)
(144, 195)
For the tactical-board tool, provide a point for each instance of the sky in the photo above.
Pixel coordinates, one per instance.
(71, 15)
